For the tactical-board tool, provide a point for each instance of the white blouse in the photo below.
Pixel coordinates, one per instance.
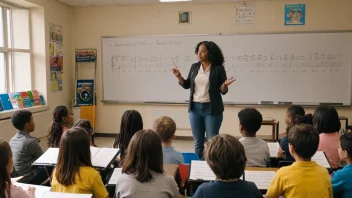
(201, 87)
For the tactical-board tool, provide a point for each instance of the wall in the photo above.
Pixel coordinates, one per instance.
(90, 23)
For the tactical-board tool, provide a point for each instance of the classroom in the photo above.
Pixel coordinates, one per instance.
(145, 29)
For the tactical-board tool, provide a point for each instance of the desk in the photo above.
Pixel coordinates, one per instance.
(275, 130)
(346, 119)
(261, 169)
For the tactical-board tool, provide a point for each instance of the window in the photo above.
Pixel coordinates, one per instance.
(15, 52)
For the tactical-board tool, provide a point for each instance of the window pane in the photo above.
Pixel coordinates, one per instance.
(2, 73)
(9, 26)
(20, 28)
(2, 43)
(21, 71)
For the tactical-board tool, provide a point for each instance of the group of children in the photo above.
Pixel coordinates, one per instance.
(143, 153)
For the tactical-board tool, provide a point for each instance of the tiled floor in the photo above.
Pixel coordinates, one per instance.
(179, 145)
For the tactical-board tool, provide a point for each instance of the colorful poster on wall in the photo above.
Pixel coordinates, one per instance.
(56, 57)
(86, 55)
(295, 14)
(85, 92)
(244, 14)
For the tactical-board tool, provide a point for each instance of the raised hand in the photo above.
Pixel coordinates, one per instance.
(175, 70)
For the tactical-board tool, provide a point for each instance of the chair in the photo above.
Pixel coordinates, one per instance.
(188, 157)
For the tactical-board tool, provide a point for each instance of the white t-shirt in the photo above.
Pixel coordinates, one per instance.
(201, 87)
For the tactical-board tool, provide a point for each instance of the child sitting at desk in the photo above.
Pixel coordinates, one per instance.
(342, 179)
(85, 124)
(166, 128)
(131, 122)
(6, 167)
(304, 178)
(62, 121)
(257, 150)
(326, 120)
(74, 172)
(226, 158)
(294, 115)
(142, 171)
(26, 149)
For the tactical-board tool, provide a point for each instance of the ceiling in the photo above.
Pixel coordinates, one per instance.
(134, 2)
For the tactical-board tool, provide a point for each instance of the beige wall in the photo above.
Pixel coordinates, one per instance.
(90, 23)
(46, 12)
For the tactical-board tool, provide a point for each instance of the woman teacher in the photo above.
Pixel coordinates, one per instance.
(207, 81)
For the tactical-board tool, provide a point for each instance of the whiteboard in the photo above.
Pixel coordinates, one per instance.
(302, 68)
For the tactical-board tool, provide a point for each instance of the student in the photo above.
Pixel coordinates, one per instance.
(342, 179)
(74, 172)
(7, 189)
(226, 158)
(26, 149)
(85, 124)
(62, 121)
(166, 128)
(257, 150)
(294, 115)
(142, 171)
(326, 120)
(304, 178)
(131, 122)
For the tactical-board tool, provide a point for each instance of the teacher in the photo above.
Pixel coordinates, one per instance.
(207, 81)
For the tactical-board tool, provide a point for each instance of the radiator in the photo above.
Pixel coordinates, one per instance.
(42, 121)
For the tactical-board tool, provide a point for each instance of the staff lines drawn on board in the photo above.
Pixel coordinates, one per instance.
(313, 62)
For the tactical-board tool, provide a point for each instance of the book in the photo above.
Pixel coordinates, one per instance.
(5, 101)
(16, 100)
(39, 190)
(85, 92)
(42, 101)
(26, 100)
(1, 107)
(101, 157)
(36, 97)
(65, 195)
(115, 176)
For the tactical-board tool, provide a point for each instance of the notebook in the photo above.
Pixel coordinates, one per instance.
(273, 148)
(262, 179)
(65, 195)
(200, 170)
(101, 157)
(115, 176)
(39, 190)
(320, 158)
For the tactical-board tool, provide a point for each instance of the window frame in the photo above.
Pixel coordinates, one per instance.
(10, 50)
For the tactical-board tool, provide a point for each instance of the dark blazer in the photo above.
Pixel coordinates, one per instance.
(217, 77)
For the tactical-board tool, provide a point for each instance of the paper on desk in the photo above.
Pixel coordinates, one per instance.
(39, 190)
(115, 176)
(49, 157)
(200, 170)
(65, 195)
(261, 178)
(103, 157)
(273, 148)
(320, 158)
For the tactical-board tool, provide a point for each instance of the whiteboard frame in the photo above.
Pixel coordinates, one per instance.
(218, 34)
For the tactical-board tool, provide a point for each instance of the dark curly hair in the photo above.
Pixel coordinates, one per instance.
(215, 55)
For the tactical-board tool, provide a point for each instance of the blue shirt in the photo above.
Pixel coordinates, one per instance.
(284, 147)
(238, 189)
(171, 156)
(342, 182)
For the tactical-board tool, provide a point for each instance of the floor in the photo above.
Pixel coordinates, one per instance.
(179, 145)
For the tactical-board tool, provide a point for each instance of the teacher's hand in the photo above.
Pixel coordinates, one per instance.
(176, 71)
(229, 82)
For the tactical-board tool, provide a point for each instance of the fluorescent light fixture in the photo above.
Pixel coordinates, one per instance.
(163, 1)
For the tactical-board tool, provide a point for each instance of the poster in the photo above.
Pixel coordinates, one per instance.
(56, 57)
(244, 14)
(295, 14)
(85, 92)
(86, 55)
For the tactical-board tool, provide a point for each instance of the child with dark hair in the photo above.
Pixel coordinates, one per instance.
(294, 115)
(25, 148)
(85, 124)
(166, 127)
(342, 179)
(226, 158)
(326, 120)
(7, 189)
(257, 150)
(304, 178)
(74, 172)
(62, 121)
(131, 122)
(142, 171)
